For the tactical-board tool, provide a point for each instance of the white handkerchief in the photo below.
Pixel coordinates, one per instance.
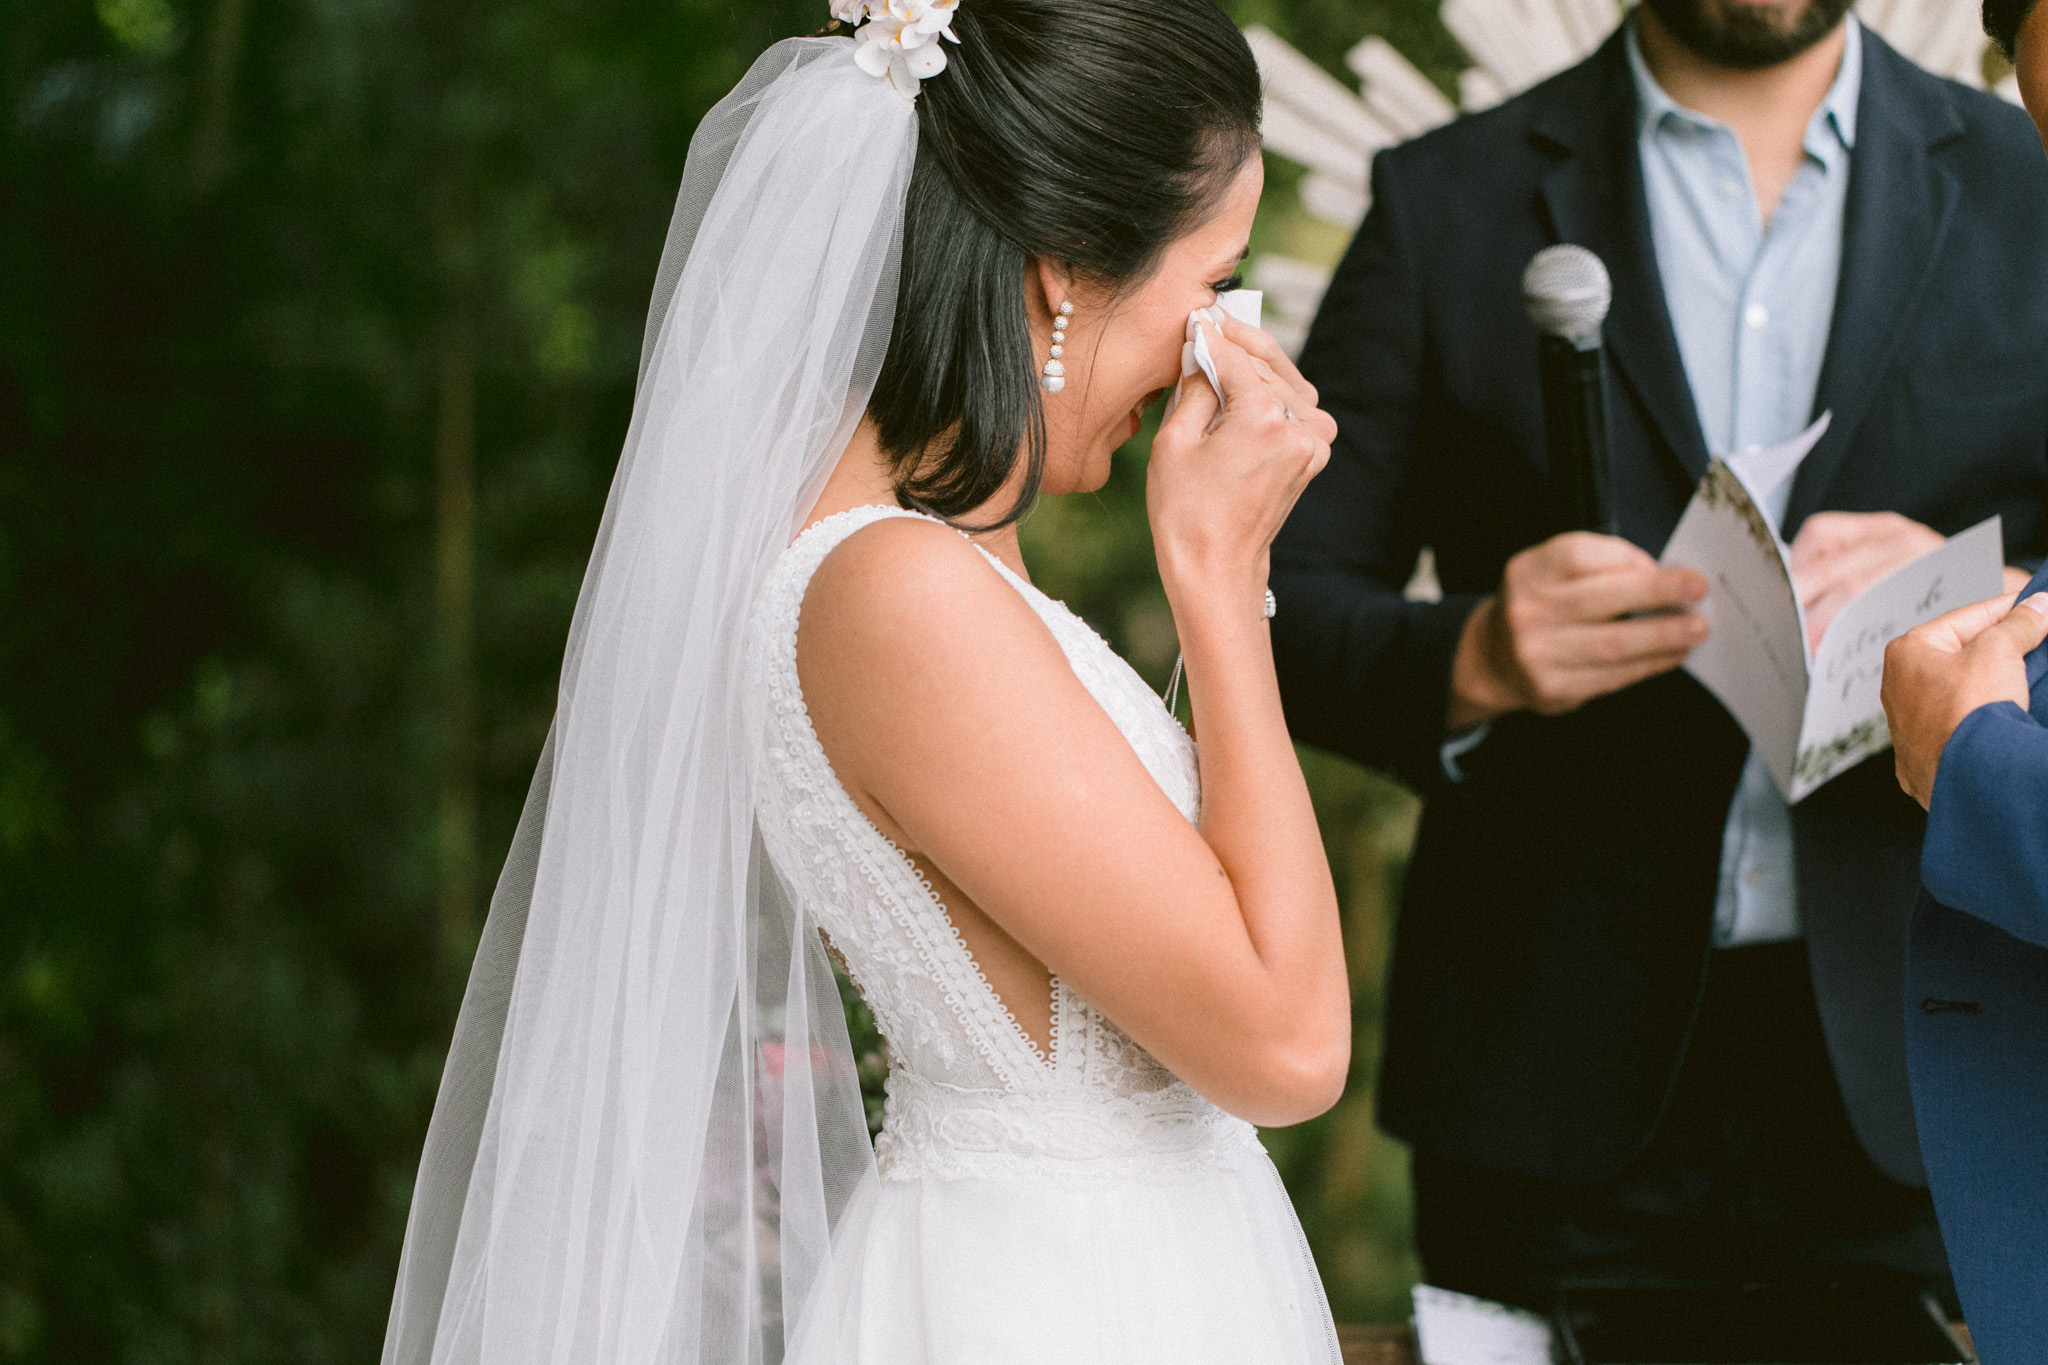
(1245, 305)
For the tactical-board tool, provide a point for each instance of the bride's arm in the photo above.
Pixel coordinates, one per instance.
(1213, 527)
(951, 715)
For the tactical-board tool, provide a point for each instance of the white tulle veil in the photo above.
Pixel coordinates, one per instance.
(649, 1119)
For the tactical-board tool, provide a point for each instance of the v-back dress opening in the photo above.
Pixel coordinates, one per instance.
(1076, 1204)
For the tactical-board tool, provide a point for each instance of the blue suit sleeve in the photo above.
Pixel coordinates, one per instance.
(1987, 825)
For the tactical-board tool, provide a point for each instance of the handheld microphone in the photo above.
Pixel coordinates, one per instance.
(1567, 293)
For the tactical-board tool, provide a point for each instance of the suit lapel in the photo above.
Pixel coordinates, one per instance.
(1594, 197)
(1901, 199)
(1641, 344)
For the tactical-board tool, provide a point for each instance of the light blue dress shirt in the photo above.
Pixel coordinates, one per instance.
(1752, 306)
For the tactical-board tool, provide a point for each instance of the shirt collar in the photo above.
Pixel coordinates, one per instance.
(1837, 112)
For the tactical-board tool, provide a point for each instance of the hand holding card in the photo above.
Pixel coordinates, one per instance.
(1812, 715)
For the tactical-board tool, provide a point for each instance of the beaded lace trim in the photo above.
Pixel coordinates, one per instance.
(932, 1130)
(967, 954)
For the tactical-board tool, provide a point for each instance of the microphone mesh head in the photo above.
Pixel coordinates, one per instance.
(1567, 293)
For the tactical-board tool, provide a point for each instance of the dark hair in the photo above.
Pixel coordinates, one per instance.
(2002, 20)
(1091, 133)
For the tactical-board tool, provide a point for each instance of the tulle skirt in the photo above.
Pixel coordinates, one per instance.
(1186, 1263)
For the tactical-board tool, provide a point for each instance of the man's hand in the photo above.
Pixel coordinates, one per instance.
(1936, 675)
(1836, 555)
(1554, 637)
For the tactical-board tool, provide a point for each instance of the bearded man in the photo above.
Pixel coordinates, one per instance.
(1644, 1019)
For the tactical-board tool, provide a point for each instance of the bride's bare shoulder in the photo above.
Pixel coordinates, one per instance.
(908, 592)
(899, 567)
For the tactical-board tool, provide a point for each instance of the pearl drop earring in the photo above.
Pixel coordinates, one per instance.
(1055, 377)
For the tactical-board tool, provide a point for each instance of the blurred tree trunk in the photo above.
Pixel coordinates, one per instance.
(212, 137)
(454, 575)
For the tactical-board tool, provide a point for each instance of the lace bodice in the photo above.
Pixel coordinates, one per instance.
(968, 1088)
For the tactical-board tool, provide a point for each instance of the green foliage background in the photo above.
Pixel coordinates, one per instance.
(318, 327)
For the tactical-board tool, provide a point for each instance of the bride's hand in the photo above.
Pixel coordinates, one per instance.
(1217, 499)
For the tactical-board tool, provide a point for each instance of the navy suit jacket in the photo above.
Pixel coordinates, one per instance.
(1977, 1017)
(1557, 915)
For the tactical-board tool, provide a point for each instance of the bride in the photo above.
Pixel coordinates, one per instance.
(811, 698)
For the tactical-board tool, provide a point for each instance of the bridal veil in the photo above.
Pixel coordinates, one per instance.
(649, 1119)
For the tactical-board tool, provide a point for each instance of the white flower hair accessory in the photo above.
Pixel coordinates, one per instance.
(898, 40)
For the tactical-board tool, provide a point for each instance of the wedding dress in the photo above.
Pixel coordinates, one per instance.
(648, 1147)
(1074, 1205)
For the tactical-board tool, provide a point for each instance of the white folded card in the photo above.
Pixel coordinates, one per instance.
(1810, 718)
